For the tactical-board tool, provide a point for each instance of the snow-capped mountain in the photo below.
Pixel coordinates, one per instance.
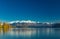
(28, 23)
(23, 21)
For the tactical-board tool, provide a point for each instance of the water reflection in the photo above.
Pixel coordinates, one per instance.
(22, 32)
(30, 33)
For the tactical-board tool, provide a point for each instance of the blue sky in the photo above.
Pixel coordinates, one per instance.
(38, 10)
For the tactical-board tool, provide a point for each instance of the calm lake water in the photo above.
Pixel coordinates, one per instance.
(30, 33)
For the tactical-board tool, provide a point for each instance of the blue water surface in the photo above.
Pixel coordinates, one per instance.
(31, 33)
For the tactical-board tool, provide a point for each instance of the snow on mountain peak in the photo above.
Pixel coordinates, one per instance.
(23, 21)
(27, 21)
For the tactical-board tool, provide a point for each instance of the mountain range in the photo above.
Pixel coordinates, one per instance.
(34, 24)
(29, 23)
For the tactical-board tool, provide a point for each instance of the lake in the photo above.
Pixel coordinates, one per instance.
(30, 33)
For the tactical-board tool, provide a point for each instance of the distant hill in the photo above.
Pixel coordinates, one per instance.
(56, 25)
